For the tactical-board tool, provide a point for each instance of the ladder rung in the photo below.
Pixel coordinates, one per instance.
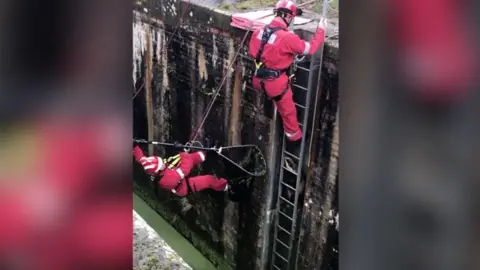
(291, 155)
(283, 244)
(276, 267)
(285, 168)
(280, 256)
(283, 214)
(283, 229)
(302, 68)
(289, 202)
(301, 106)
(287, 185)
(301, 87)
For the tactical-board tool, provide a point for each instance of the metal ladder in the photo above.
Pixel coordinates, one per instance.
(285, 245)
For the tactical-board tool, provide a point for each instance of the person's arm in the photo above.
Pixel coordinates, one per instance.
(298, 46)
(198, 157)
(186, 165)
(251, 46)
(138, 154)
(151, 165)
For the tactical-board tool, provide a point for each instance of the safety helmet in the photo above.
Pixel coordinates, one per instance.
(287, 7)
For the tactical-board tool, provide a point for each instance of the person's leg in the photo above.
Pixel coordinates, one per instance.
(199, 183)
(182, 190)
(287, 110)
(285, 107)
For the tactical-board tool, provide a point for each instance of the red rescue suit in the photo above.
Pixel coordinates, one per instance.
(278, 54)
(176, 179)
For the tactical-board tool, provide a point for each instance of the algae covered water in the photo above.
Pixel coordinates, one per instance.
(174, 239)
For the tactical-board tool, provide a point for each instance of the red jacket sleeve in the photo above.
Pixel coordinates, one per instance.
(138, 153)
(296, 45)
(186, 165)
(197, 157)
(253, 46)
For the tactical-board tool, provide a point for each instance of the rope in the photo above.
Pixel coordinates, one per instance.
(215, 95)
(218, 150)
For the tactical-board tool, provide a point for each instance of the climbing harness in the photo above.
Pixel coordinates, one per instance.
(261, 71)
(253, 150)
(157, 178)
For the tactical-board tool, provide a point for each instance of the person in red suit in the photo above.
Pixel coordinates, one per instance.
(175, 178)
(274, 49)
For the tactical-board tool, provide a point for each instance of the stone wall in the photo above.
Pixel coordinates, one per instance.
(176, 84)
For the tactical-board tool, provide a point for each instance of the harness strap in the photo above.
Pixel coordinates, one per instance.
(267, 32)
(179, 183)
(172, 162)
(157, 178)
(189, 188)
(280, 96)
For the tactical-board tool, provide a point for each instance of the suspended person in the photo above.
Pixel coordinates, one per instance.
(173, 174)
(274, 49)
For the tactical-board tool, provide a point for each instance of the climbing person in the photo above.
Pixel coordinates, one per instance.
(274, 49)
(172, 173)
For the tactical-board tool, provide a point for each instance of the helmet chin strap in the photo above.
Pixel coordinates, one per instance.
(283, 15)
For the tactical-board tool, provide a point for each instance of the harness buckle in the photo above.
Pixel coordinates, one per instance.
(258, 65)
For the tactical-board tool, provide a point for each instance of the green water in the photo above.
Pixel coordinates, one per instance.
(174, 239)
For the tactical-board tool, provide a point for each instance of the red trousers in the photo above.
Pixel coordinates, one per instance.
(285, 107)
(199, 183)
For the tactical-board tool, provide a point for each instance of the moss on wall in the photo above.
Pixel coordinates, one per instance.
(184, 76)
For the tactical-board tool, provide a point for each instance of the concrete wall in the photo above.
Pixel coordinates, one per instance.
(176, 85)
